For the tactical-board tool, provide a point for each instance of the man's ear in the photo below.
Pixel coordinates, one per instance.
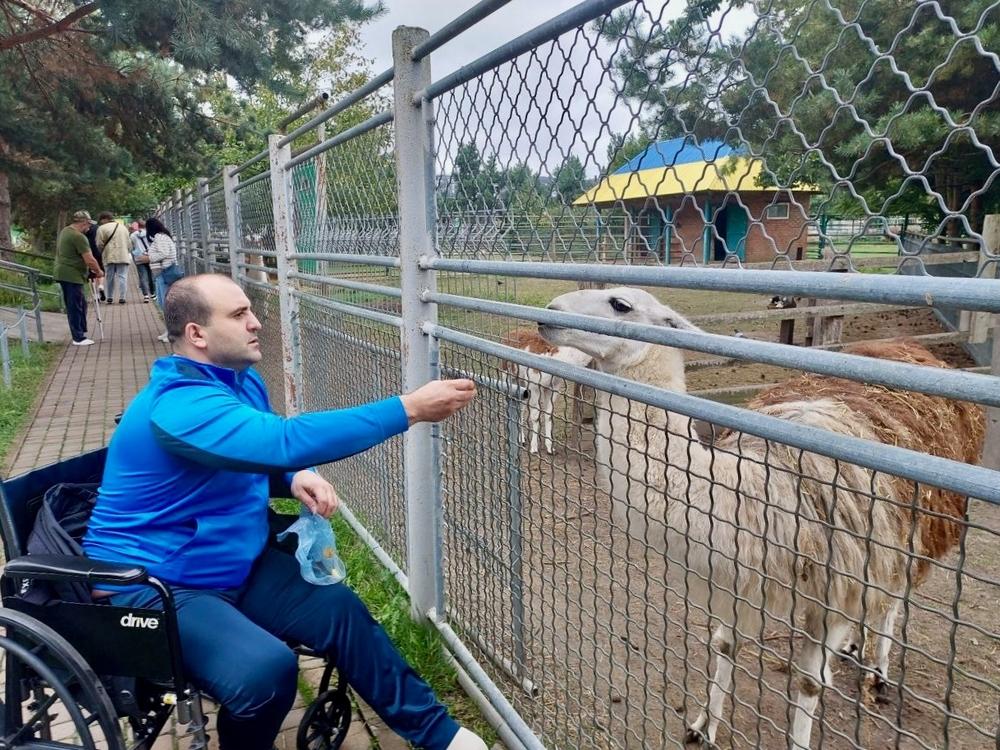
(194, 335)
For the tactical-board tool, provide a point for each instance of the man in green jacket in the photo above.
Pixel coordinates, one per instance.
(73, 261)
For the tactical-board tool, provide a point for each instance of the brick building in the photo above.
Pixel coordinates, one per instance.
(680, 201)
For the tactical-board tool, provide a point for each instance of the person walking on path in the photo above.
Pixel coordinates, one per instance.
(140, 246)
(91, 235)
(73, 262)
(162, 257)
(112, 241)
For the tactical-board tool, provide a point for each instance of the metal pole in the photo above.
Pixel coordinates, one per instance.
(320, 218)
(348, 100)
(229, 182)
(189, 237)
(991, 445)
(22, 325)
(36, 303)
(515, 521)
(204, 233)
(177, 216)
(467, 20)
(317, 101)
(414, 181)
(284, 246)
(5, 356)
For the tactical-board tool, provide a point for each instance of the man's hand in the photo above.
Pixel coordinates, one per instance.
(314, 492)
(438, 400)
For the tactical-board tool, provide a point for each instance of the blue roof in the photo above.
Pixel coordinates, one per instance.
(677, 151)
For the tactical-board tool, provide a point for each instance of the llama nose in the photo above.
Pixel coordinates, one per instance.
(525, 394)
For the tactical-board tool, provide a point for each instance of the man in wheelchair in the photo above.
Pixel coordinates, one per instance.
(185, 495)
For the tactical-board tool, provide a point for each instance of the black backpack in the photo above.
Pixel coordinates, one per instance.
(59, 527)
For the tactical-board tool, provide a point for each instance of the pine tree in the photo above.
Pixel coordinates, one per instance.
(97, 96)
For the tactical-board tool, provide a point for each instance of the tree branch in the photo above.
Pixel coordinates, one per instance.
(54, 28)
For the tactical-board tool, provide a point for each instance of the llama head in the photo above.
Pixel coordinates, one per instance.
(624, 303)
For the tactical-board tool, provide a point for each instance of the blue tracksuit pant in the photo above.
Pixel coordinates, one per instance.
(234, 650)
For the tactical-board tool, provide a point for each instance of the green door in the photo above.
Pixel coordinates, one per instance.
(736, 230)
(304, 207)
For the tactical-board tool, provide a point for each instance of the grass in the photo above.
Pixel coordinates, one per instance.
(420, 644)
(9, 297)
(16, 402)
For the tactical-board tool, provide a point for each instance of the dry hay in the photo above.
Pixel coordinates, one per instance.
(917, 421)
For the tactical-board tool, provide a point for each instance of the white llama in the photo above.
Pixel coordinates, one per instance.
(539, 387)
(761, 525)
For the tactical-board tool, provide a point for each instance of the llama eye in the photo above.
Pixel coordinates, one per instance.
(620, 305)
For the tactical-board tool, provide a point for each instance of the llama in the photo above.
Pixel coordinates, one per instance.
(765, 528)
(539, 387)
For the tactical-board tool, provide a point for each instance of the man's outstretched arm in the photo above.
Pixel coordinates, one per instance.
(205, 423)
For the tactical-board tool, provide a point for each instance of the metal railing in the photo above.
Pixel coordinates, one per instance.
(611, 560)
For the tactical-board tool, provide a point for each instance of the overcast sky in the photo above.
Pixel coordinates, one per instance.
(513, 118)
(528, 141)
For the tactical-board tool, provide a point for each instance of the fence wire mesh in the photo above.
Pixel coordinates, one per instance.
(336, 348)
(628, 576)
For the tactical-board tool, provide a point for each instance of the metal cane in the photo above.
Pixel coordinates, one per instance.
(97, 307)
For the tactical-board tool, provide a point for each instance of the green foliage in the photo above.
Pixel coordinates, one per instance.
(136, 99)
(753, 89)
(253, 41)
(569, 181)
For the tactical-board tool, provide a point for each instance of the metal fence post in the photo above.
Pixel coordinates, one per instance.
(188, 223)
(415, 188)
(991, 445)
(229, 182)
(5, 356)
(284, 245)
(177, 225)
(22, 328)
(204, 233)
(36, 303)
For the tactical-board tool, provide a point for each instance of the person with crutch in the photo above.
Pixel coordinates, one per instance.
(95, 296)
(73, 262)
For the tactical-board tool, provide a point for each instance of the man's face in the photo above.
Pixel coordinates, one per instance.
(231, 334)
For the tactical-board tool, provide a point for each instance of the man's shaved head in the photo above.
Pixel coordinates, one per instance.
(189, 301)
(209, 319)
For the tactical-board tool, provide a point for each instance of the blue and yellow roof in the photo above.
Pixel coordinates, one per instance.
(680, 167)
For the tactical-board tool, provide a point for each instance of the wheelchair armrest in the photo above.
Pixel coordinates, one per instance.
(74, 568)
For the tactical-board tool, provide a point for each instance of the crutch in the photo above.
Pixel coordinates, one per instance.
(97, 306)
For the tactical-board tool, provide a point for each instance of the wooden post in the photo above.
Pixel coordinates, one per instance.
(786, 332)
(828, 329)
(991, 447)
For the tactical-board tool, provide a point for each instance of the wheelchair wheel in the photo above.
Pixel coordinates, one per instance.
(51, 697)
(326, 721)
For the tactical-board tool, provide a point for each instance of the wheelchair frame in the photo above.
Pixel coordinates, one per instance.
(99, 662)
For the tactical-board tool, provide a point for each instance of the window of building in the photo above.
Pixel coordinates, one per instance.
(777, 211)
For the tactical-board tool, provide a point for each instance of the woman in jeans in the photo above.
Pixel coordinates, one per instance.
(162, 256)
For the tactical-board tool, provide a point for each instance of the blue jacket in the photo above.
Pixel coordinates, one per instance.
(185, 487)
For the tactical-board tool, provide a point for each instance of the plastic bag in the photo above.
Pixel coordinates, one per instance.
(317, 550)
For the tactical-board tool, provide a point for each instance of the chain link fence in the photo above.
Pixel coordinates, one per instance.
(705, 494)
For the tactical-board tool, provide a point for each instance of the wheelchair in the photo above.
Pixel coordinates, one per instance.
(88, 675)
